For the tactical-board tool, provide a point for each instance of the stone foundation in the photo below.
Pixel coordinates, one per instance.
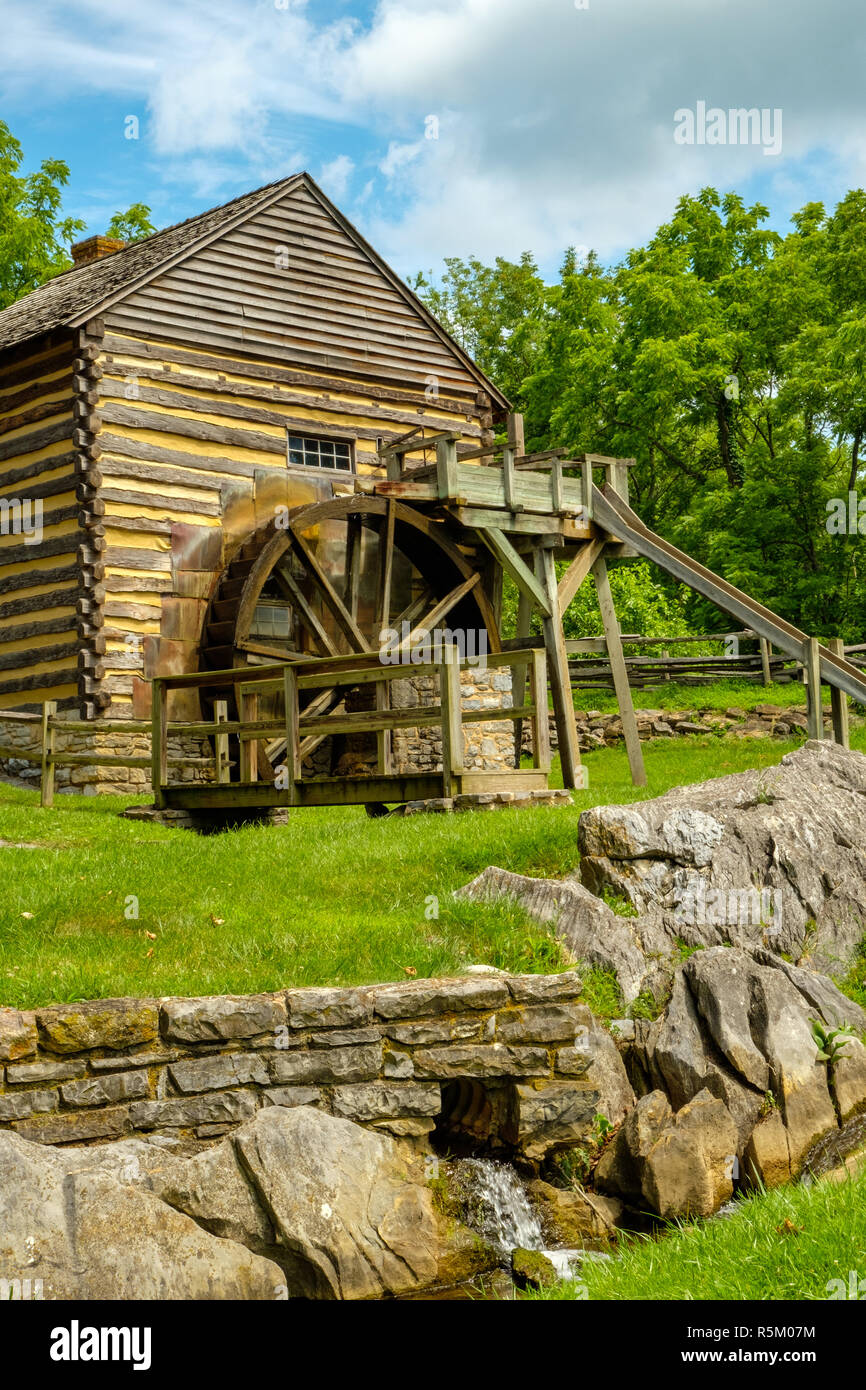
(505, 1062)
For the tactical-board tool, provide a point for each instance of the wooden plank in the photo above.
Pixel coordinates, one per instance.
(560, 685)
(509, 481)
(452, 726)
(439, 611)
(839, 700)
(159, 743)
(577, 572)
(519, 670)
(221, 742)
(540, 717)
(812, 679)
(446, 467)
(511, 562)
(49, 709)
(293, 750)
(765, 660)
(248, 702)
(341, 614)
(527, 779)
(284, 578)
(619, 673)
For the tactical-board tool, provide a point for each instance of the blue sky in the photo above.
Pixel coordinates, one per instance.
(554, 120)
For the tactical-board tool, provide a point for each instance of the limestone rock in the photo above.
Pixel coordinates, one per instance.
(98, 1023)
(341, 1202)
(573, 1219)
(89, 1236)
(675, 1164)
(693, 857)
(531, 1269)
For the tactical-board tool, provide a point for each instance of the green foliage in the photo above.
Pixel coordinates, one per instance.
(34, 234)
(132, 225)
(830, 1042)
(730, 362)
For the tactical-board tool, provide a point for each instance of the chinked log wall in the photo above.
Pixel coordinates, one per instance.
(156, 439)
(379, 1055)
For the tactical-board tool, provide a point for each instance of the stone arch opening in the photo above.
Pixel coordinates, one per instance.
(476, 1118)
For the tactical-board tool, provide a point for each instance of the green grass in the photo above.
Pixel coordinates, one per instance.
(785, 1244)
(331, 898)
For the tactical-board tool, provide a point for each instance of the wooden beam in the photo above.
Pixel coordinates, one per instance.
(560, 683)
(765, 660)
(439, 611)
(221, 742)
(619, 673)
(292, 590)
(158, 741)
(49, 709)
(839, 700)
(540, 716)
(446, 466)
(519, 672)
(452, 725)
(812, 677)
(519, 571)
(577, 572)
(342, 616)
(293, 751)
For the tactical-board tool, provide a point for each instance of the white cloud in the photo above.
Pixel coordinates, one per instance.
(336, 176)
(555, 123)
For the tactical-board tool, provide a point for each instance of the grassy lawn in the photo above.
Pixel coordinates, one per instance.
(331, 898)
(785, 1244)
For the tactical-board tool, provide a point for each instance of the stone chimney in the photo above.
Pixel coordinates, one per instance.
(93, 249)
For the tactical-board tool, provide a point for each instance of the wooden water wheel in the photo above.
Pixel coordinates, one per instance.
(326, 579)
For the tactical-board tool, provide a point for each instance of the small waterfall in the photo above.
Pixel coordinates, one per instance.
(497, 1206)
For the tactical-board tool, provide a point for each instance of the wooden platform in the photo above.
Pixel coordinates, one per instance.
(342, 791)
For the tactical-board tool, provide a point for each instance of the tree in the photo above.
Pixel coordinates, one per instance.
(132, 225)
(34, 234)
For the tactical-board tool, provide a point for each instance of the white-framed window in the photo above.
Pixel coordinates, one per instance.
(307, 452)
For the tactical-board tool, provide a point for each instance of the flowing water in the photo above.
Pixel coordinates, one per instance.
(497, 1206)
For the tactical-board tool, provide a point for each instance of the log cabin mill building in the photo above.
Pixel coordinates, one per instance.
(162, 404)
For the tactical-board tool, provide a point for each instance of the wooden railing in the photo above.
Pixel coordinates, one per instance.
(325, 715)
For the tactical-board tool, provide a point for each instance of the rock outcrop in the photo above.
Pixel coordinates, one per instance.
(770, 857)
(295, 1203)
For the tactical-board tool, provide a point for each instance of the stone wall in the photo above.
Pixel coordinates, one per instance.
(93, 779)
(502, 1062)
(597, 730)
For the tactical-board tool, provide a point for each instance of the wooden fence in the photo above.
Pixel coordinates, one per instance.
(298, 732)
(761, 665)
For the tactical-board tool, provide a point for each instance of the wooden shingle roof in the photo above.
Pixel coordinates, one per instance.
(81, 293)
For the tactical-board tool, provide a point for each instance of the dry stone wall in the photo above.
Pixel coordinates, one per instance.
(520, 1055)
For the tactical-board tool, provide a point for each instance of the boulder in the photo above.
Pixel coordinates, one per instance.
(739, 1025)
(572, 1219)
(769, 857)
(673, 1164)
(88, 1235)
(531, 1269)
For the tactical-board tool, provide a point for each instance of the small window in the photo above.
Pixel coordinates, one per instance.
(319, 453)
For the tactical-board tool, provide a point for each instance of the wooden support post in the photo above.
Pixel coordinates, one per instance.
(384, 754)
(812, 677)
(839, 700)
(159, 741)
(514, 426)
(293, 738)
(540, 717)
(249, 755)
(586, 488)
(560, 683)
(765, 661)
(518, 673)
(619, 672)
(509, 480)
(49, 710)
(221, 741)
(446, 467)
(452, 724)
